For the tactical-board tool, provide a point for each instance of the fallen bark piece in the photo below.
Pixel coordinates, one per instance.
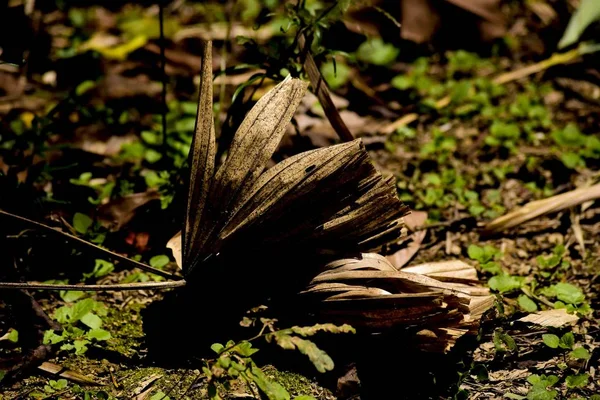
(538, 208)
(554, 318)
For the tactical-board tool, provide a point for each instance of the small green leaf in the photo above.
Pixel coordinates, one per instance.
(81, 223)
(91, 320)
(475, 252)
(81, 308)
(376, 51)
(569, 293)
(503, 341)
(505, 283)
(52, 338)
(580, 353)
(80, 346)
(587, 12)
(577, 381)
(402, 82)
(152, 156)
(551, 340)
(98, 334)
(336, 75)
(217, 347)
(160, 395)
(13, 336)
(567, 341)
(159, 261)
(59, 384)
(273, 390)
(492, 267)
(527, 304)
(70, 296)
(101, 268)
(572, 160)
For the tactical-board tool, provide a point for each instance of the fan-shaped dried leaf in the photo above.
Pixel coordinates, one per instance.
(253, 145)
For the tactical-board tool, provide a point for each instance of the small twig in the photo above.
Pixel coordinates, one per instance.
(90, 246)
(94, 288)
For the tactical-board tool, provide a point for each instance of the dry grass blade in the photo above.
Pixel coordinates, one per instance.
(537, 208)
(202, 157)
(253, 145)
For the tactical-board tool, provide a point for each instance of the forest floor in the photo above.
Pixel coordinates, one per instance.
(81, 147)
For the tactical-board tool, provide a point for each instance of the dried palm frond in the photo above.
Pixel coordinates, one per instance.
(329, 201)
(324, 206)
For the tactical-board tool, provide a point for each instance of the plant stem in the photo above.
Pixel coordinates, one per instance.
(94, 288)
(83, 243)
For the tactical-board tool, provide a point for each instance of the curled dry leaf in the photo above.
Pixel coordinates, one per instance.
(118, 212)
(412, 244)
(369, 292)
(175, 244)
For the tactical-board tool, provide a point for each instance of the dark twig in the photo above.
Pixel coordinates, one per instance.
(163, 73)
(83, 243)
(322, 92)
(94, 288)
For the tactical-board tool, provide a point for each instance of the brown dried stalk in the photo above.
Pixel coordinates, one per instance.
(538, 208)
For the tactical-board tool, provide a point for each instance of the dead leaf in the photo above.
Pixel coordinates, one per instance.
(116, 86)
(175, 244)
(422, 18)
(449, 271)
(118, 212)
(143, 389)
(73, 376)
(401, 257)
(554, 318)
(415, 220)
(177, 57)
(538, 208)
